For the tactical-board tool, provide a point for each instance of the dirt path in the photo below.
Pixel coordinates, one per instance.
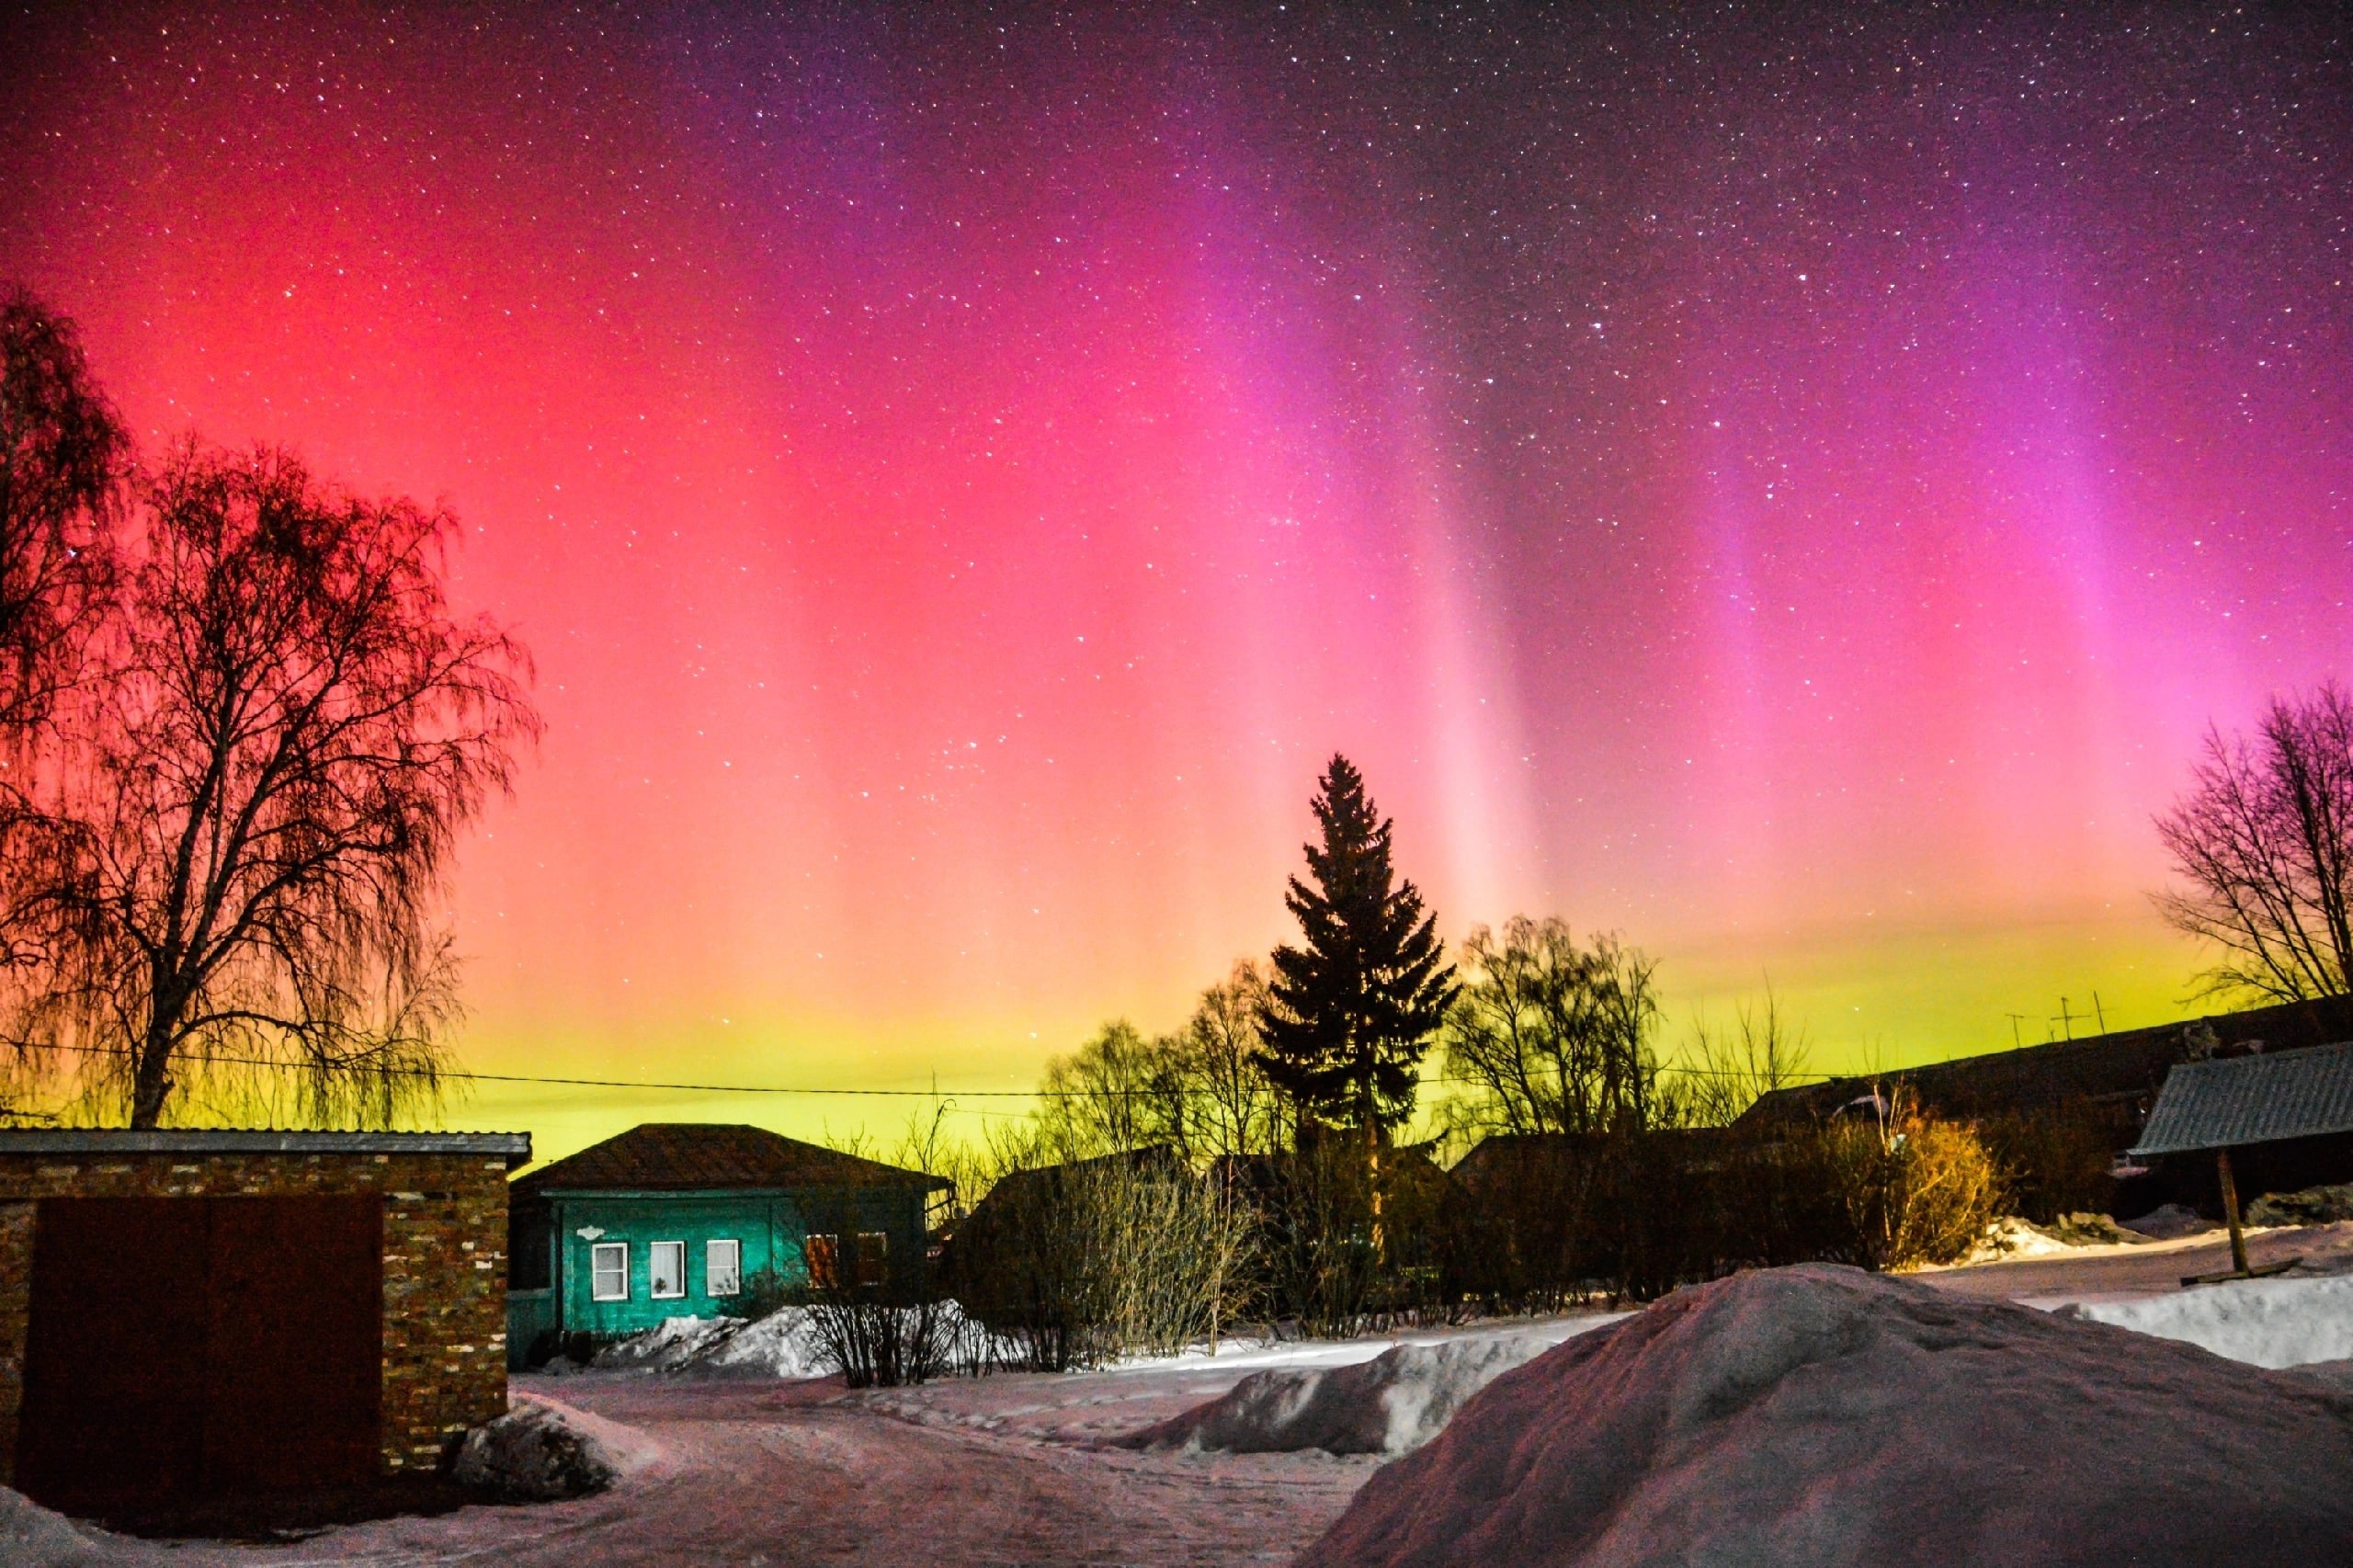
(2140, 1270)
(768, 1474)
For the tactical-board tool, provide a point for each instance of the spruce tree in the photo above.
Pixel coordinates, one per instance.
(1351, 1012)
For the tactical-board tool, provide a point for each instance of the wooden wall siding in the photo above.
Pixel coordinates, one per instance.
(771, 1227)
(445, 1270)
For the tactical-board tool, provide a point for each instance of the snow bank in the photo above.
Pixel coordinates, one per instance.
(2265, 1322)
(534, 1454)
(1391, 1405)
(2313, 1206)
(2170, 1221)
(1823, 1417)
(785, 1344)
(32, 1537)
(2012, 1237)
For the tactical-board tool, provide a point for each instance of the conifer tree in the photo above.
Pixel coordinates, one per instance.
(1351, 1012)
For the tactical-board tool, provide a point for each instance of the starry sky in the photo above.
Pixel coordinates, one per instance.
(1792, 488)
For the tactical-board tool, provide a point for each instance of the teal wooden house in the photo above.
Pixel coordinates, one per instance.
(679, 1218)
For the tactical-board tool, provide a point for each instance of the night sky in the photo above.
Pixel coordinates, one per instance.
(1792, 490)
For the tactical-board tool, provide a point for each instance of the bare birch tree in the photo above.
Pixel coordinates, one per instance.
(1555, 1037)
(2264, 840)
(1231, 1108)
(62, 454)
(238, 875)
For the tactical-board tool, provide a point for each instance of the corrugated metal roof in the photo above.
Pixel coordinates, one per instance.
(2252, 1099)
(515, 1146)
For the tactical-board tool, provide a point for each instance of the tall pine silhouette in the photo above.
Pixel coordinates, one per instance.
(1350, 1014)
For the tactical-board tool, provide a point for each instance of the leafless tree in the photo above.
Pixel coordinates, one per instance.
(238, 876)
(63, 455)
(1556, 1038)
(2264, 841)
(1119, 1091)
(1726, 1072)
(1231, 1108)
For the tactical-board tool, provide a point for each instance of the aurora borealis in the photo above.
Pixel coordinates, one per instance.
(1790, 489)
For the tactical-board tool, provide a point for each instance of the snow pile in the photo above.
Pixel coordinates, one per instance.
(2265, 1322)
(2169, 1223)
(535, 1453)
(2089, 1230)
(2009, 1237)
(2313, 1206)
(1823, 1417)
(785, 1344)
(1391, 1405)
(2012, 1237)
(33, 1537)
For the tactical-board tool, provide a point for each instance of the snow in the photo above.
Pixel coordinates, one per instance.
(785, 1344)
(32, 1537)
(1824, 1416)
(1392, 1403)
(2010, 1236)
(2265, 1322)
(2171, 1221)
(537, 1453)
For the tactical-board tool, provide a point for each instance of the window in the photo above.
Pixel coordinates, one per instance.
(823, 1256)
(608, 1271)
(873, 1257)
(666, 1268)
(723, 1268)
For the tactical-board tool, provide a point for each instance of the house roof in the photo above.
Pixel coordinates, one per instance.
(513, 1147)
(2125, 1068)
(2252, 1099)
(696, 1156)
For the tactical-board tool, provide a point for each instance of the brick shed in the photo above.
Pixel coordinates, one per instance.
(191, 1314)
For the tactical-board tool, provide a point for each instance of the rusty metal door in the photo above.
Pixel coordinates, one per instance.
(189, 1347)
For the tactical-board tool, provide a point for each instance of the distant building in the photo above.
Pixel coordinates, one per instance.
(681, 1218)
(2119, 1073)
(188, 1316)
(2050, 1103)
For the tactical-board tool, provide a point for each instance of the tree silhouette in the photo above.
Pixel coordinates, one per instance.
(1350, 1014)
(62, 457)
(236, 879)
(2264, 841)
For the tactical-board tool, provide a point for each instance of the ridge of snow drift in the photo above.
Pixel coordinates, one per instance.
(2265, 1322)
(1391, 1405)
(1823, 1417)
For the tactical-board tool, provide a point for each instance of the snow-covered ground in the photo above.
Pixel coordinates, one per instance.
(1020, 1469)
(1004, 1469)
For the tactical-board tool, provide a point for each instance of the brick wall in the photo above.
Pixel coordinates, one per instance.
(445, 1270)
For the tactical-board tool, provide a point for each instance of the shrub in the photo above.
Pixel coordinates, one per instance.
(1916, 1191)
(1080, 1263)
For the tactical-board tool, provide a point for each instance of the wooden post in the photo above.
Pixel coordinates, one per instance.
(2231, 1210)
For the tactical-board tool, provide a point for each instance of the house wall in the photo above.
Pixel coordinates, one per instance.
(445, 1270)
(773, 1228)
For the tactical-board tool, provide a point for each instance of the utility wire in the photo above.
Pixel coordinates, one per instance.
(786, 1089)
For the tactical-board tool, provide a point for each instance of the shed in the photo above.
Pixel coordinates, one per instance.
(2274, 1098)
(193, 1314)
(679, 1219)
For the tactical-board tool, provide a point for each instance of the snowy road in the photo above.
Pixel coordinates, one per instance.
(988, 1470)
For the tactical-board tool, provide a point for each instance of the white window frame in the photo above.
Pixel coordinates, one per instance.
(716, 1272)
(653, 1270)
(598, 1270)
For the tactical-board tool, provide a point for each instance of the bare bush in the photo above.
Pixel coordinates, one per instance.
(1082, 1262)
(1915, 1190)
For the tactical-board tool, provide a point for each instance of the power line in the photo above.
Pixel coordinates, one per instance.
(932, 1094)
